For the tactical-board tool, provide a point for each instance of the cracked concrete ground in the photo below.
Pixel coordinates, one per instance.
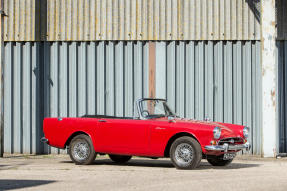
(56, 172)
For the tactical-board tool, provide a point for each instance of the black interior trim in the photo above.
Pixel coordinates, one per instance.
(105, 116)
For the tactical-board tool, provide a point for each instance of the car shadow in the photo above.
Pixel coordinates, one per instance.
(133, 162)
(13, 166)
(10, 184)
(204, 165)
(138, 162)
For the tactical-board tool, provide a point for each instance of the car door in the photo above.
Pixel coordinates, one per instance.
(123, 136)
(161, 131)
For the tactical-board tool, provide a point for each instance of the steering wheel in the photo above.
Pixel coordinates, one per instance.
(145, 113)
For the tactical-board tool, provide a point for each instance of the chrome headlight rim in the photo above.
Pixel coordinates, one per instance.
(216, 132)
(246, 131)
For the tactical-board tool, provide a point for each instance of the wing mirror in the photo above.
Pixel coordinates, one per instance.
(171, 119)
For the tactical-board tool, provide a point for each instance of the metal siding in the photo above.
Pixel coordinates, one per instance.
(8, 126)
(22, 115)
(92, 20)
(16, 96)
(189, 92)
(26, 82)
(219, 80)
(214, 80)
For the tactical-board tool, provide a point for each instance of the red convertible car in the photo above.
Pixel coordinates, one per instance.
(155, 131)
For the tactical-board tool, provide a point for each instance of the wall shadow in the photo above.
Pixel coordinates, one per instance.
(38, 71)
(255, 7)
(10, 184)
(282, 93)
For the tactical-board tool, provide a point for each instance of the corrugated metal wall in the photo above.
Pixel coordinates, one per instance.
(23, 98)
(282, 95)
(84, 20)
(219, 80)
(22, 22)
(89, 20)
(216, 80)
(68, 79)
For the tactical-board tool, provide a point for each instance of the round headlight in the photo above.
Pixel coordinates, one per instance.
(246, 132)
(216, 132)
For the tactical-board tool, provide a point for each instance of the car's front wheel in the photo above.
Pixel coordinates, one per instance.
(81, 150)
(185, 153)
(120, 158)
(218, 160)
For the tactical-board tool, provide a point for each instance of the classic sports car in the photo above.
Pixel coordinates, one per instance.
(155, 131)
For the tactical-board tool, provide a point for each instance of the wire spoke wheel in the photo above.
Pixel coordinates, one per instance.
(184, 154)
(81, 151)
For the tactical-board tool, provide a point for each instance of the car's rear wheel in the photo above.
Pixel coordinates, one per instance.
(185, 153)
(218, 160)
(81, 150)
(120, 158)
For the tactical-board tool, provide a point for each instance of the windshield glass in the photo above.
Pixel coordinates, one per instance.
(154, 109)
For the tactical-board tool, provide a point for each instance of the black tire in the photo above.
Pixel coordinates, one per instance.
(194, 153)
(81, 150)
(120, 158)
(218, 160)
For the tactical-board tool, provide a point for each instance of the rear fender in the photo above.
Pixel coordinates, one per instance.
(74, 134)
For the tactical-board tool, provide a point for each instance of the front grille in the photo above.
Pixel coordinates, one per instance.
(231, 141)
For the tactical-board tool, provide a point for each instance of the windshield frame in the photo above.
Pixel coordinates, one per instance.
(168, 111)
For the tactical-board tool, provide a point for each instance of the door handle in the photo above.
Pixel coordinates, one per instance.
(102, 120)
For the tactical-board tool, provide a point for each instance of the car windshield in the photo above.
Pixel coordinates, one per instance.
(154, 108)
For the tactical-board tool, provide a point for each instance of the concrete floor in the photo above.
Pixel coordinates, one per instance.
(56, 172)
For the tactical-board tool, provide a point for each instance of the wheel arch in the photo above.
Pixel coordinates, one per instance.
(74, 135)
(173, 138)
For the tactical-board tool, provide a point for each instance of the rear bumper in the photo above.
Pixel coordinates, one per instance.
(226, 147)
(44, 140)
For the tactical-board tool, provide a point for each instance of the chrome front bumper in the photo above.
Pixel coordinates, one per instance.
(226, 147)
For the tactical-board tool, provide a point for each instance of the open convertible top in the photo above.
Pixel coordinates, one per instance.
(105, 116)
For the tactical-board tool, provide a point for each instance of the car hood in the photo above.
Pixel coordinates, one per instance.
(227, 129)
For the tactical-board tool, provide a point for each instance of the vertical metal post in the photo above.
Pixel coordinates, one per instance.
(269, 71)
(1, 81)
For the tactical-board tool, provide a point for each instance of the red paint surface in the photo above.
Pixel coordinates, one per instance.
(134, 137)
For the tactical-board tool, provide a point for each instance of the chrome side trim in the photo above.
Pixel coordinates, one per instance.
(226, 147)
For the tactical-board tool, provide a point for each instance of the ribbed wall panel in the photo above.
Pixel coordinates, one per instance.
(91, 20)
(22, 22)
(218, 80)
(68, 80)
(23, 103)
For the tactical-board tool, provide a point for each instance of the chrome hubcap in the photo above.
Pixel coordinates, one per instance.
(184, 154)
(81, 151)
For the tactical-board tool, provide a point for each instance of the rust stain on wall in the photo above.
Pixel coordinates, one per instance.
(152, 69)
(273, 97)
